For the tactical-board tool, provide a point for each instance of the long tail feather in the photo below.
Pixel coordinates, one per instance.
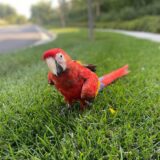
(109, 78)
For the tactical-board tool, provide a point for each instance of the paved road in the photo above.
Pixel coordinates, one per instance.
(17, 37)
(142, 35)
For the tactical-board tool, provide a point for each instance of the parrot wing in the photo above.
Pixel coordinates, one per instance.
(91, 67)
(90, 85)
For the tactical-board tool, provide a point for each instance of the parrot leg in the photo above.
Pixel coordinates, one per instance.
(82, 105)
(69, 103)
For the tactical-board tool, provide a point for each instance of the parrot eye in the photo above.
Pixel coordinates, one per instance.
(59, 57)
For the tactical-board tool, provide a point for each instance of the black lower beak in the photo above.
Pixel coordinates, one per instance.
(59, 69)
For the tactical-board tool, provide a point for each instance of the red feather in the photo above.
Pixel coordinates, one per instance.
(77, 82)
(109, 78)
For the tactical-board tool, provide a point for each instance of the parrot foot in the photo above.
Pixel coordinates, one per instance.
(68, 106)
(88, 103)
(66, 109)
(84, 104)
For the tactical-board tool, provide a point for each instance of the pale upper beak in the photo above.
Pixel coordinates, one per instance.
(54, 66)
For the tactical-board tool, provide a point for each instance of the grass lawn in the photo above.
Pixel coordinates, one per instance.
(33, 126)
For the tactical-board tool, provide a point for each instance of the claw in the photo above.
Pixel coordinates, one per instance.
(68, 106)
(88, 103)
(66, 109)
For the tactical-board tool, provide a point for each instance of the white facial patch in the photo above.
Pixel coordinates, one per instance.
(61, 60)
(51, 65)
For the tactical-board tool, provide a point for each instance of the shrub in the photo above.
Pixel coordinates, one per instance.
(111, 16)
(128, 13)
(147, 23)
(153, 9)
(3, 22)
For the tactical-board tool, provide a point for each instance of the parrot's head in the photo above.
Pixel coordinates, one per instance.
(57, 60)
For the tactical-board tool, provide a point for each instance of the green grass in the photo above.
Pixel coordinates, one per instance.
(33, 126)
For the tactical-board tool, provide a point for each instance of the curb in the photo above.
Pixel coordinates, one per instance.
(45, 36)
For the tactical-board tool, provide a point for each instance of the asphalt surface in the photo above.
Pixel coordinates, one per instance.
(13, 38)
(17, 37)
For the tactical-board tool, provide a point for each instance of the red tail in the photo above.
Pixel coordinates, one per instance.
(109, 78)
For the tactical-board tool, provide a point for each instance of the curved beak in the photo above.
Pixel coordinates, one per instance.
(58, 68)
(54, 66)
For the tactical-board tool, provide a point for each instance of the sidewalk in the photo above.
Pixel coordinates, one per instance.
(142, 35)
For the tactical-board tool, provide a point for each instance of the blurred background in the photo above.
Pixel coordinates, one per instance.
(142, 15)
(122, 123)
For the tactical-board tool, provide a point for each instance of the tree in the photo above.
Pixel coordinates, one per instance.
(21, 19)
(98, 9)
(77, 10)
(6, 11)
(90, 19)
(42, 13)
(10, 15)
(62, 12)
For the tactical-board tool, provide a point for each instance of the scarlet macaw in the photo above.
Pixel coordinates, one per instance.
(75, 81)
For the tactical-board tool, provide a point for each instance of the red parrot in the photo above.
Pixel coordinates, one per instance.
(75, 81)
